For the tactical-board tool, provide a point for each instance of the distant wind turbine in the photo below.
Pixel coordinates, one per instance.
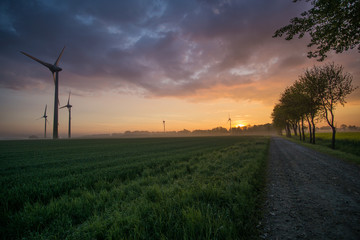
(68, 106)
(46, 121)
(55, 69)
(164, 125)
(229, 120)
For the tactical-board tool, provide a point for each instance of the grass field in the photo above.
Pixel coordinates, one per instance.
(166, 188)
(347, 145)
(345, 141)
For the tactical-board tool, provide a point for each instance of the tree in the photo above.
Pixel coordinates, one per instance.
(279, 119)
(343, 127)
(290, 102)
(337, 85)
(332, 25)
(303, 106)
(289, 112)
(310, 86)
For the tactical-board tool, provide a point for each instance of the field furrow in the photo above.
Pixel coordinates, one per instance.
(170, 188)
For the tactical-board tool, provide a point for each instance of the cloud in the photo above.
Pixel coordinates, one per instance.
(156, 48)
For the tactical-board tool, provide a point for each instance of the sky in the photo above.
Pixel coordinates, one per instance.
(132, 64)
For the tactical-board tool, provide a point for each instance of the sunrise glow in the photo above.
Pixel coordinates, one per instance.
(192, 65)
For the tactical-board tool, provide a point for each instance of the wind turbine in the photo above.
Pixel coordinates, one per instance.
(164, 125)
(229, 120)
(45, 117)
(54, 69)
(68, 106)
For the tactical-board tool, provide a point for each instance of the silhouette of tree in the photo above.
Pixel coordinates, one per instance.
(219, 130)
(332, 25)
(336, 86)
(288, 100)
(314, 95)
(280, 119)
(295, 106)
(310, 85)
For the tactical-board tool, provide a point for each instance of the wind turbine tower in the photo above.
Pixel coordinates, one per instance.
(164, 125)
(54, 69)
(45, 117)
(68, 106)
(229, 120)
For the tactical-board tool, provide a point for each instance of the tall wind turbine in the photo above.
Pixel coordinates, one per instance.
(229, 120)
(54, 69)
(45, 117)
(68, 106)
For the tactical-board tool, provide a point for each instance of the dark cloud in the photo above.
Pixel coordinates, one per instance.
(166, 48)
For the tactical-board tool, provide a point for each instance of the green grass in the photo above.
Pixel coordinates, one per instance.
(344, 141)
(175, 188)
(354, 136)
(347, 145)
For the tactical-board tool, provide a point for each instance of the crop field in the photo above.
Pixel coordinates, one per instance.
(164, 188)
(345, 141)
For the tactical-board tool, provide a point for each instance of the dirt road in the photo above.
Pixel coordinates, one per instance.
(310, 195)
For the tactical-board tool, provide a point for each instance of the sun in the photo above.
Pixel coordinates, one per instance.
(240, 125)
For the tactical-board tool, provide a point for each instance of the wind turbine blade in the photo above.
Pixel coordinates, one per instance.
(48, 65)
(62, 107)
(45, 110)
(69, 98)
(58, 59)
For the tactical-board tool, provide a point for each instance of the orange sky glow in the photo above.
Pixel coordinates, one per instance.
(189, 63)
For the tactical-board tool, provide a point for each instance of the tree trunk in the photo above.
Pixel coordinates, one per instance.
(288, 131)
(313, 131)
(300, 131)
(310, 131)
(302, 128)
(331, 123)
(333, 137)
(294, 126)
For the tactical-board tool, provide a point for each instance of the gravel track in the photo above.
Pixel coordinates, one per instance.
(310, 195)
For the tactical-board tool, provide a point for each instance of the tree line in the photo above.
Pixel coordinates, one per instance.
(311, 98)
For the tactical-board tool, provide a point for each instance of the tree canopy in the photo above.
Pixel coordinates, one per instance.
(313, 96)
(331, 24)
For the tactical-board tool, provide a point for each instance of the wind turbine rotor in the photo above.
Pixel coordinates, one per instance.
(68, 106)
(55, 69)
(58, 59)
(48, 65)
(229, 120)
(68, 103)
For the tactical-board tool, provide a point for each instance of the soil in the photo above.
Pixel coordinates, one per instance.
(310, 195)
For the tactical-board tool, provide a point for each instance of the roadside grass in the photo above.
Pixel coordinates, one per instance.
(347, 145)
(176, 188)
(345, 141)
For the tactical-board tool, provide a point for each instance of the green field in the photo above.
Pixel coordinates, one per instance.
(347, 145)
(348, 142)
(165, 188)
